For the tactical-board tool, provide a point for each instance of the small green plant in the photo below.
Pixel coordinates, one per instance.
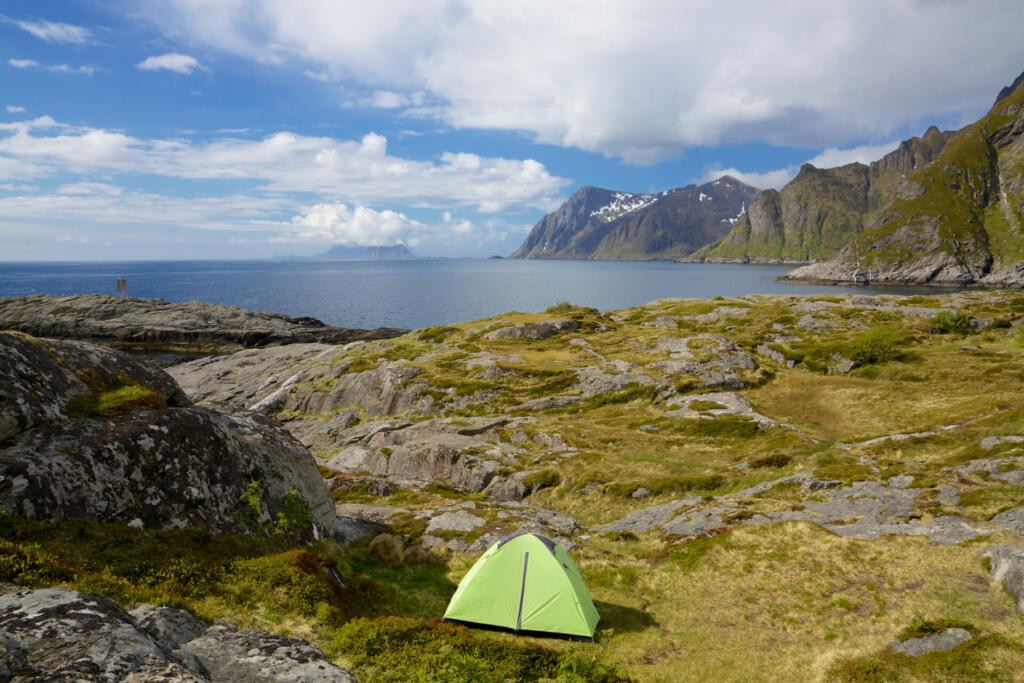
(947, 322)
(295, 520)
(250, 509)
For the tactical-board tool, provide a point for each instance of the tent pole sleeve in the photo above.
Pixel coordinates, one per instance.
(522, 592)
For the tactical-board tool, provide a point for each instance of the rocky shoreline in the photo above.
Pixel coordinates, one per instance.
(155, 325)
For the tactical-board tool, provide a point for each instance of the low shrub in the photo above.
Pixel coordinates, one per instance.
(878, 345)
(542, 479)
(387, 548)
(948, 322)
(772, 460)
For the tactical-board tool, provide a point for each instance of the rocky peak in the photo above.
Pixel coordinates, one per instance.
(1008, 90)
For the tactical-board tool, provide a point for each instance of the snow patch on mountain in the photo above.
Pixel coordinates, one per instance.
(732, 221)
(623, 203)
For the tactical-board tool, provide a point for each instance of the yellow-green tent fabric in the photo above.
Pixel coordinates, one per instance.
(525, 582)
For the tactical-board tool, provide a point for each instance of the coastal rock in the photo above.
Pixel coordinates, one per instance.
(155, 321)
(157, 463)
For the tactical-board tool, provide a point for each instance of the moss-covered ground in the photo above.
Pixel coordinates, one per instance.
(787, 601)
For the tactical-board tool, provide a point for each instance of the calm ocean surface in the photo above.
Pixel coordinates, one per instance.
(408, 293)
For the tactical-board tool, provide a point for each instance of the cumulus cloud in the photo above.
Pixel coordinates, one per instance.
(62, 68)
(286, 162)
(13, 109)
(53, 31)
(337, 223)
(640, 80)
(172, 61)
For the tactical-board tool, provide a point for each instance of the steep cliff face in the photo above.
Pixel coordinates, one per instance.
(596, 223)
(958, 220)
(821, 210)
(812, 217)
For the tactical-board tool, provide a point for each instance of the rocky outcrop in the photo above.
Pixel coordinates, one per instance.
(459, 453)
(62, 635)
(88, 432)
(144, 323)
(541, 330)
(944, 640)
(955, 221)
(598, 223)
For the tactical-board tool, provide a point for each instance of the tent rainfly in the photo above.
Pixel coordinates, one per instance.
(525, 583)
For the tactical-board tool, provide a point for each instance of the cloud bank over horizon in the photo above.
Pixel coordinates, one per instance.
(643, 80)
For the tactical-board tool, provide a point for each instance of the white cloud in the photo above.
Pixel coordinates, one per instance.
(641, 80)
(286, 162)
(14, 109)
(90, 188)
(828, 158)
(865, 154)
(336, 223)
(53, 31)
(171, 61)
(62, 68)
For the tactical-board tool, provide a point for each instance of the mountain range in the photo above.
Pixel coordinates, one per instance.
(943, 208)
(605, 224)
(343, 252)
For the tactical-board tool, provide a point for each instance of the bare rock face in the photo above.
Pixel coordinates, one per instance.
(62, 635)
(233, 655)
(76, 441)
(444, 450)
(541, 330)
(154, 321)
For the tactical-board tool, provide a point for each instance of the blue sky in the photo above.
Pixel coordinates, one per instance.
(160, 129)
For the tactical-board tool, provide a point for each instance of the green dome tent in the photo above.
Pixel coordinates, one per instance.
(525, 582)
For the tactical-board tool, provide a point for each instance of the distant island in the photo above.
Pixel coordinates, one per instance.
(343, 252)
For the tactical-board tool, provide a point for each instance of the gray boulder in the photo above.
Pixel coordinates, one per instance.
(163, 463)
(261, 657)
(57, 634)
(1008, 568)
(62, 635)
(457, 520)
(941, 641)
